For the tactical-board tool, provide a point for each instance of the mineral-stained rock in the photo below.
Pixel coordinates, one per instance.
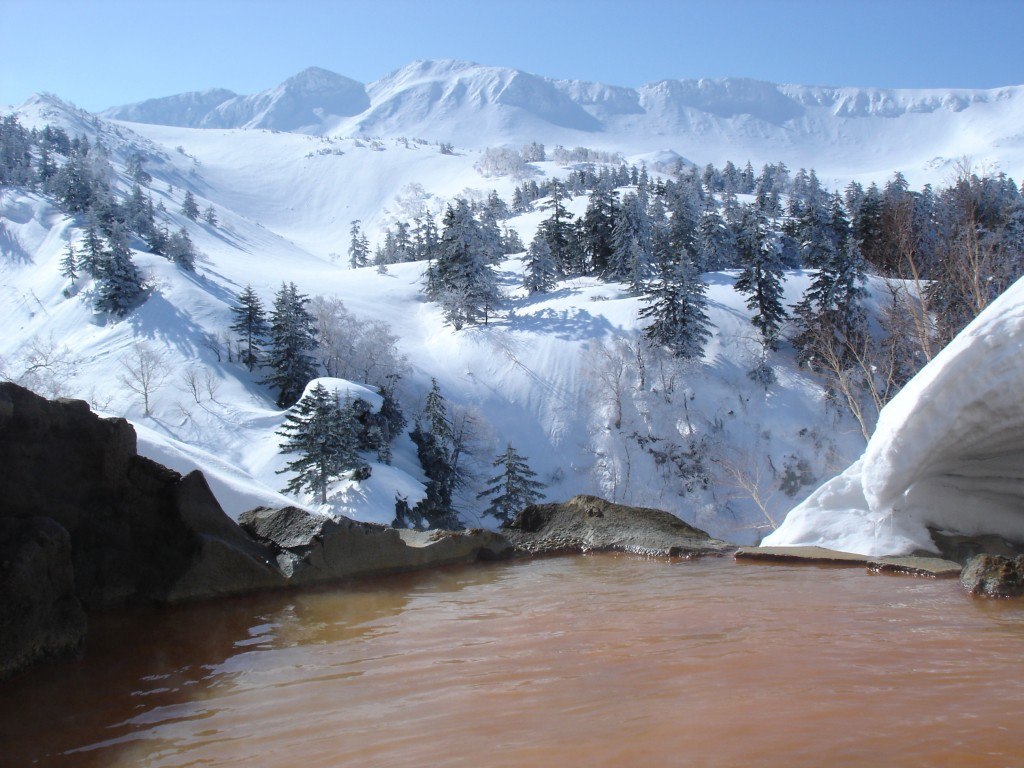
(40, 615)
(994, 576)
(311, 548)
(591, 524)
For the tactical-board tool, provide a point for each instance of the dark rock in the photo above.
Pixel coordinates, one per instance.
(40, 615)
(591, 524)
(139, 531)
(311, 548)
(961, 548)
(994, 576)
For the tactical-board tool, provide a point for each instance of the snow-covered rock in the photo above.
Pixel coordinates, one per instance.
(948, 452)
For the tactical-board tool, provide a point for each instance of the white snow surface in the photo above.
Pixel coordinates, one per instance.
(948, 452)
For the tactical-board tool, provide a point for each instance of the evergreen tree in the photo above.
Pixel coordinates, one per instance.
(832, 311)
(557, 229)
(598, 226)
(676, 305)
(291, 340)
(250, 322)
(210, 216)
(631, 256)
(436, 449)
(180, 250)
(358, 247)
(541, 270)
(716, 245)
(513, 488)
(119, 284)
(69, 265)
(761, 275)
(461, 279)
(189, 207)
(94, 249)
(324, 436)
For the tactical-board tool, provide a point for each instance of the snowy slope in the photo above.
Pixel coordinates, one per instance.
(948, 452)
(844, 133)
(284, 202)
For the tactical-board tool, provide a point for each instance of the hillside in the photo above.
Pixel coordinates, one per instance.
(556, 374)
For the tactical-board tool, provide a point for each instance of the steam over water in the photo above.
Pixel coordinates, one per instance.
(598, 661)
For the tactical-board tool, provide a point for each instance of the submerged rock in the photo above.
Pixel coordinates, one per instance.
(311, 548)
(994, 576)
(591, 524)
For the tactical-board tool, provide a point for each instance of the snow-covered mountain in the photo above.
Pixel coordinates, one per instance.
(844, 133)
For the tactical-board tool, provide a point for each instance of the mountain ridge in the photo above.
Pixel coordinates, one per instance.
(842, 131)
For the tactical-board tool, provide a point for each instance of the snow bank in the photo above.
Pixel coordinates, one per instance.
(948, 451)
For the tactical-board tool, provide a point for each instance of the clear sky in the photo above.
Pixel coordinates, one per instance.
(99, 53)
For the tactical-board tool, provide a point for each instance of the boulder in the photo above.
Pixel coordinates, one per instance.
(311, 548)
(994, 576)
(40, 615)
(591, 524)
(138, 531)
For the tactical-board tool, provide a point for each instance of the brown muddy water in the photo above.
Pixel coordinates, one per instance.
(601, 660)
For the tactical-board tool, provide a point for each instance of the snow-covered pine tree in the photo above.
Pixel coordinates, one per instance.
(180, 250)
(434, 450)
(358, 247)
(541, 272)
(631, 258)
(513, 488)
(676, 306)
(291, 340)
(716, 245)
(558, 228)
(250, 322)
(69, 264)
(324, 439)
(189, 207)
(598, 225)
(461, 279)
(93, 252)
(761, 274)
(831, 311)
(119, 284)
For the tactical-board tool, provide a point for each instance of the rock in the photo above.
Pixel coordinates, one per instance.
(916, 565)
(907, 565)
(961, 548)
(591, 524)
(311, 548)
(40, 615)
(139, 531)
(994, 576)
(227, 561)
(808, 555)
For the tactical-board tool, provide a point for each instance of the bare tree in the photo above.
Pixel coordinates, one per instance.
(744, 475)
(44, 366)
(144, 371)
(608, 365)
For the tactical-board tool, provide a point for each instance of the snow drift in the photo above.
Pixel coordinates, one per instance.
(948, 452)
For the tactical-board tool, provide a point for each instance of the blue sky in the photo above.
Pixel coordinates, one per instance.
(98, 53)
